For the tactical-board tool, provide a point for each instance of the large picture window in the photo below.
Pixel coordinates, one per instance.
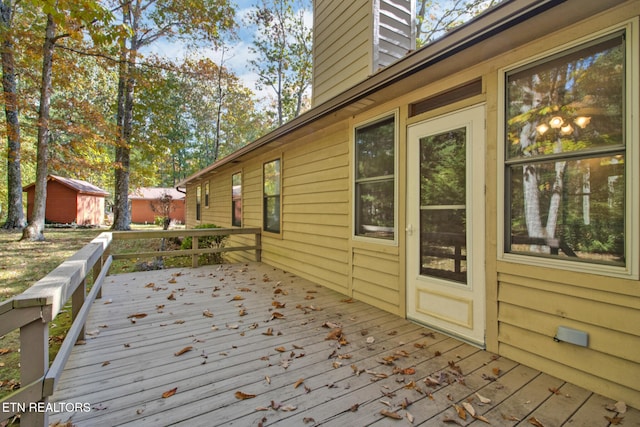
(375, 179)
(566, 154)
(271, 196)
(236, 199)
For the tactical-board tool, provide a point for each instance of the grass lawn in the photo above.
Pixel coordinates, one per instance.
(21, 265)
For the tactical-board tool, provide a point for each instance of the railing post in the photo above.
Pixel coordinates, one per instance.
(34, 360)
(77, 300)
(258, 247)
(194, 257)
(97, 268)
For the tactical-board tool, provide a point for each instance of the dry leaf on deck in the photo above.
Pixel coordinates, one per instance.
(280, 349)
(268, 332)
(243, 396)
(169, 393)
(183, 351)
(298, 383)
(237, 298)
(409, 417)
(105, 363)
(276, 315)
(469, 408)
(334, 334)
(278, 304)
(535, 422)
(390, 414)
(171, 297)
(137, 316)
(371, 340)
(448, 420)
(614, 420)
(483, 399)
(408, 371)
(460, 410)
(481, 418)
(207, 313)
(172, 280)
(288, 408)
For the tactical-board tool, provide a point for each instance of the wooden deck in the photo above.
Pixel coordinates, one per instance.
(249, 345)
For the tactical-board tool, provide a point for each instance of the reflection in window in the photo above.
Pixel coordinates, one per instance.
(206, 195)
(375, 180)
(565, 155)
(198, 202)
(443, 235)
(236, 199)
(271, 196)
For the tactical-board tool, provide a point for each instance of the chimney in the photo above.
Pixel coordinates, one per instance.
(354, 39)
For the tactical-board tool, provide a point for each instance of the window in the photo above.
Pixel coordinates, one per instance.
(566, 155)
(206, 195)
(271, 196)
(236, 199)
(375, 179)
(198, 202)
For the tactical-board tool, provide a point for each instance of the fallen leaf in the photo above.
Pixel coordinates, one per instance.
(172, 280)
(243, 396)
(331, 325)
(431, 382)
(409, 371)
(483, 399)
(308, 420)
(469, 408)
(354, 407)
(535, 422)
(298, 383)
(390, 414)
(268, 332)
(4, 351)
(448, 420)
(481, 418)
(280, 349)
(277, 315)
(237, 298)
(334, 334)
(169, 393)
(183, 351)
(171, 297)
(409, 417)
(614, 420)
(242, 312)
(371, 340)
(278, 304)
(620, 407)
(207, 313)
(105, 363)
(267, 379)
(288, 408)
(137, 316)
(460, 410)
(496, 371)
(455, 367)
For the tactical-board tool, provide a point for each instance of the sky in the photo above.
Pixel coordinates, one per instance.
(237, 54)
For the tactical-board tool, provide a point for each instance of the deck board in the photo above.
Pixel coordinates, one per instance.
(241, 342)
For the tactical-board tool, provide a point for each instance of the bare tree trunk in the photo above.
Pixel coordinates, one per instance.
(15, 211)
(35, 229)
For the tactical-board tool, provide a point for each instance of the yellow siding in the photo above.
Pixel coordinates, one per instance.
(342, 36)
(525, 304)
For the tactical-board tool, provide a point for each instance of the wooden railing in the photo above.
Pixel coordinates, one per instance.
(33, 310)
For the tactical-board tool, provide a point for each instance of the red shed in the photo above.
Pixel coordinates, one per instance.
(146, 204)
(69, 201)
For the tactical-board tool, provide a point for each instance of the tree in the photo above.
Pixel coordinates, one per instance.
(283, 45)
(15, 213)
(73, 17)
(148, 22)
(436, 17)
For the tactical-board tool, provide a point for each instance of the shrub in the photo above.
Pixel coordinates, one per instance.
(208, 242)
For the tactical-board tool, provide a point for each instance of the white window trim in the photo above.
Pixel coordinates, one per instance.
(632, 208)
(396, 165)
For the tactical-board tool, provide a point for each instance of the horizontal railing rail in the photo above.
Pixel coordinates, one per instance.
(33, 310)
